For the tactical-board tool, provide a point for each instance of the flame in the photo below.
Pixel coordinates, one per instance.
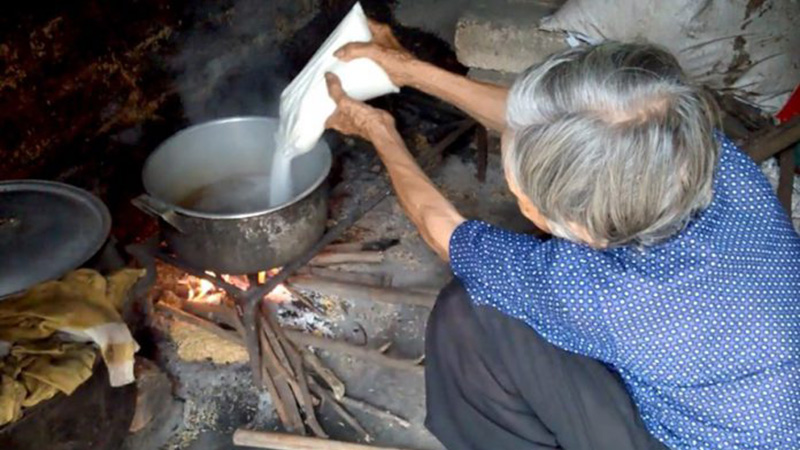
(280, 295)
(201, 290)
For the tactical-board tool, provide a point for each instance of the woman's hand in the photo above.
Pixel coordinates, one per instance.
(352, 117)
(385, 50)
(434, 216)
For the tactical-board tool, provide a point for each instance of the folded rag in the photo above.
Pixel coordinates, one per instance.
(45, 330)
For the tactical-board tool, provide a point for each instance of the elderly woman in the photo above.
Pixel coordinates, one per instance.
(664, 310)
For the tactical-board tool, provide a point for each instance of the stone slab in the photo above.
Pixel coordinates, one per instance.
(505, 37)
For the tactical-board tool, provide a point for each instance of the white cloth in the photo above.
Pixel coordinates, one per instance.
(749, 48)
(306, 104)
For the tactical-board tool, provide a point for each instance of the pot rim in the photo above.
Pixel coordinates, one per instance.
(217, 216)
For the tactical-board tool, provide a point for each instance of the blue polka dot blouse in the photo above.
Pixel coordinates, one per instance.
(704, 328)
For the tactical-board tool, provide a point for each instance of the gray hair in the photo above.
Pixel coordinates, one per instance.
(613, 138)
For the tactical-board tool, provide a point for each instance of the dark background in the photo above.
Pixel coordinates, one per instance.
(89, 88)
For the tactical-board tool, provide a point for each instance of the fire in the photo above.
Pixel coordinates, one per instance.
(201, 290)
(280, 295)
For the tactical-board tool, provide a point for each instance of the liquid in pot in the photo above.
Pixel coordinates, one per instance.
(238, 194)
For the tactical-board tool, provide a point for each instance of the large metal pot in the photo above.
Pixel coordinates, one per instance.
(237, 241)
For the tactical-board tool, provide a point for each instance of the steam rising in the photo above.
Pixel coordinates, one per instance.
(229, 63)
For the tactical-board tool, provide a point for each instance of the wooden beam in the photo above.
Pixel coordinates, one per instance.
(281, 441)
(767, 145)
(786, 178)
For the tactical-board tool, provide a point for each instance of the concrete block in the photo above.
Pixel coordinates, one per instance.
(438, 17)
(505, 36)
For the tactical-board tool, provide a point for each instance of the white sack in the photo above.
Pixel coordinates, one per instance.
(305, 103)
(749, 47)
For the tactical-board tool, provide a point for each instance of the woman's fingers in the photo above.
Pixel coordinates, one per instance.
(338, 120)
(382, 34)
(375, 26)
(334, 87)
(379, 30)
(353, 50)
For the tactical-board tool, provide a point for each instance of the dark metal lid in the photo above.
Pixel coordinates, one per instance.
(46, 230)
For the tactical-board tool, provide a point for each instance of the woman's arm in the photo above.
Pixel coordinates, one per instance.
(433, 215)
(483, 101)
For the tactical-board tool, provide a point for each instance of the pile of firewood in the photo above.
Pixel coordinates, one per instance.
(296, 378)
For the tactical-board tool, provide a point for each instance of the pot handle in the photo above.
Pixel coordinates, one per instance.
(159, 209)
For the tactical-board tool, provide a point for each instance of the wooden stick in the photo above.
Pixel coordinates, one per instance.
(375, 411)
(767, 145)
(206, 325)
(345, 247)
(327, 375)
(433, 154)
(275, 342)
(282, 441)
(268, 381)
(218, 313)
(305, 395)
(369, 279)
(286, 387)
(329, 259)
(482, 156)
(247, 316)
(343, 413)
(786, 178)
(366, 293)
(375, 246)
(365, 353)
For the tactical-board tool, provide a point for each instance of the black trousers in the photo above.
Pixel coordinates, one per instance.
(494, 384)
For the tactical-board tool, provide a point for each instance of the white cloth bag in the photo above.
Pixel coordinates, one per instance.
(306, 104)
(748, 48)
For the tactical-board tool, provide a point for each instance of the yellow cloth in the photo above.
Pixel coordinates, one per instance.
(84, 305)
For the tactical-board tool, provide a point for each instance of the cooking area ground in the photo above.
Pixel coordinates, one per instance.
(344, 320)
